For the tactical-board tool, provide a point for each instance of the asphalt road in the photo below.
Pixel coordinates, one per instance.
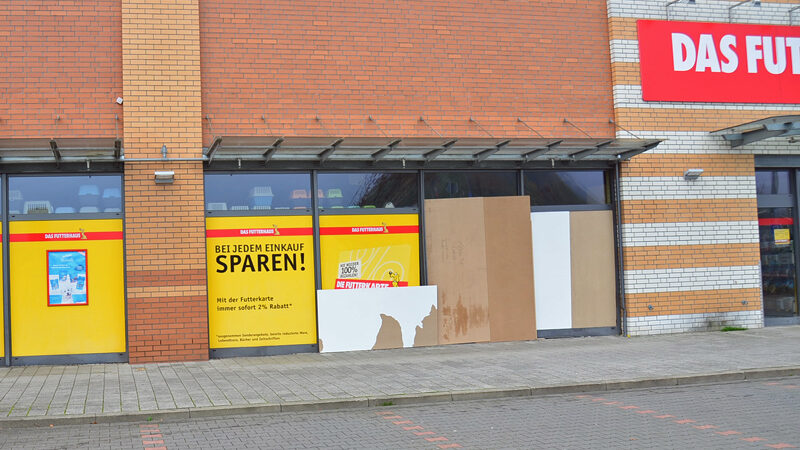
(756, 414)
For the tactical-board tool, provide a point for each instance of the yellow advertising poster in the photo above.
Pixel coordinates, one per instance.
(2, 309)
(369, 251)
(67, 287)
(261, 281)
(782, 236)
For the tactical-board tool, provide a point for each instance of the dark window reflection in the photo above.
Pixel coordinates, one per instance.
(257, 191)
(772, 182)
(776, 229)
(65, 194)
(368, 190)
(562, 187)
(470, 184)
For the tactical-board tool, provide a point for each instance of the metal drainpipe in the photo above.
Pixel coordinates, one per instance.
(621, 265)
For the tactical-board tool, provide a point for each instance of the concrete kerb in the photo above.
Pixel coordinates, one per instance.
(397, 400)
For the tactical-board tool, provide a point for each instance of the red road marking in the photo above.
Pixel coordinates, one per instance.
(151, 436)
(727, 433)
(402, 422)
(155, 448)
(599, 399)
(612, 403)
(416, 427)
(791, 386)
(772, 383)
(148, 426)
(753, 439)
(704, 427)
(583, 396)
(423, 433)
(649, 411)
(781, 445)
(449, 446)
(384, 413)
(629, 407)
(664, 416)
(684, 421)
(436, 439)
(152, 442)
(392, 417)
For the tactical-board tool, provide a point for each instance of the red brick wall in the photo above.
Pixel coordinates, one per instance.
(64, 59)
(291, 61)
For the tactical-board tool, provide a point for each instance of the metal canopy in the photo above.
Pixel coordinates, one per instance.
(419, 151)
(746, 133)
(63, 150)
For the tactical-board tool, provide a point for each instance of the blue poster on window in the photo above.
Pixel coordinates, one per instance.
(66, 271)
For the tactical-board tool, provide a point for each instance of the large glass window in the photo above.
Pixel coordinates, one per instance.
(258, 191)
(64, 194)
(470, 184)
(368, 190)
(566, 187)
(772, 182)
(775, 227)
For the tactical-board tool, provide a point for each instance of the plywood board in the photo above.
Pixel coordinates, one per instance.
(593, 271)
(510, 268)
(552, 270)
(456, 261)
(363, 319)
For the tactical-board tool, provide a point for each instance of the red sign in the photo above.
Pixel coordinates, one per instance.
(719, 62)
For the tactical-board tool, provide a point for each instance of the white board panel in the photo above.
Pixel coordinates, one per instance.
(552, 270)
(350, 319)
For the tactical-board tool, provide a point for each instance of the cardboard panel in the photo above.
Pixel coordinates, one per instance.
(456, 258)
(510, 268)
(363, 319)
(593, 279)
(552, 270)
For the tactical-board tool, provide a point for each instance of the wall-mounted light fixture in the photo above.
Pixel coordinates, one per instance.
(164, 176)
(688, 2)
(730, 9)
(692, 174)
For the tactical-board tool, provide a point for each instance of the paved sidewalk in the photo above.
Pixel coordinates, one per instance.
(115, 392)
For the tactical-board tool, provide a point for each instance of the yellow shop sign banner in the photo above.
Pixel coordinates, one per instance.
(260, 281)
(369, 251)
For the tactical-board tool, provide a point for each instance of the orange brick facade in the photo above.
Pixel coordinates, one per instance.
(164, 224)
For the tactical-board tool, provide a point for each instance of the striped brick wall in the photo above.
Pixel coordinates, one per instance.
(690, 248)
(164, 224)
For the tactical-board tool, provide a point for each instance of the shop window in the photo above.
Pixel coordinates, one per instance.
(258, 191)
(84, 194)
(567, 187)
(368, 190)
(470, 184)
(772, 182)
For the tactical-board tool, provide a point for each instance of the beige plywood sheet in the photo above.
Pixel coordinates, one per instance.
(510, 268)
(593, 277)
(456, 261)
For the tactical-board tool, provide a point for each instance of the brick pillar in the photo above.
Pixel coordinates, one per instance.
(164, 224)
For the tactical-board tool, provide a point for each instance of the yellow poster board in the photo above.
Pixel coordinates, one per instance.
(2, 309)
(261, 281)
(782, 236)
(67, 287)
(369, 251)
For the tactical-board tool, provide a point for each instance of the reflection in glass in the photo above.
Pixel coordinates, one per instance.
(776, 227)
(469, 184)
(257, 191)
(770, 182)
(65, 194)
(368, 190)
(567, 187)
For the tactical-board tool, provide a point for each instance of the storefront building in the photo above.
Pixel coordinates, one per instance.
(191, 179)
(703, 78)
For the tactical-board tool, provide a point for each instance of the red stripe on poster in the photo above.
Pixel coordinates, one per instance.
(776, 221)
(366, 284)
(259, 232)
(375, 229)
(74, 236)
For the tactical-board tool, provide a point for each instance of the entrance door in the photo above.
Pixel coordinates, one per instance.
(779, 255)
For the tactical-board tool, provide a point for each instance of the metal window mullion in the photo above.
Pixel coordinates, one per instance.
(423, 256)
(6, 275)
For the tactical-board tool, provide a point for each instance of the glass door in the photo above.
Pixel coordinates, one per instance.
(776, 230)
